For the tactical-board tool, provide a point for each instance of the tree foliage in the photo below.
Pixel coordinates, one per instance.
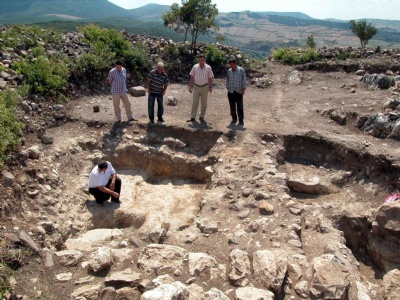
(363, 31)
(194, 16)
(310, 42)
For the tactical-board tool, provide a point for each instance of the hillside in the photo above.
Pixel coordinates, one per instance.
(256, 33)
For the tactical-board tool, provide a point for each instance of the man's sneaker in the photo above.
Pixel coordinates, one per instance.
(191, 120)
(202, 120)
(161, 120)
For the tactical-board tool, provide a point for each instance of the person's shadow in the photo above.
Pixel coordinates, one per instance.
(200, 126)
(102, 215)
(236, 127)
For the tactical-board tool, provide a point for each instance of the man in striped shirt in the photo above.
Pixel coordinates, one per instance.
(200, 84)
(236, 84)
(157, 83)
(117, 80)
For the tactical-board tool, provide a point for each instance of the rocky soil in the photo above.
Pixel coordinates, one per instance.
(288, 206)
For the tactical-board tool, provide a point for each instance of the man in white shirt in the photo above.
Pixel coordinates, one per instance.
(200, 84)
(104, 183)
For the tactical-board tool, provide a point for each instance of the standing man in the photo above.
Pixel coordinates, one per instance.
(200, 84)
(236, 84)
(104, 183)
(157, 83)
(117, 80)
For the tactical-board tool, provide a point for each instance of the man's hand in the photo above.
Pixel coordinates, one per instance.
(190, 89)
(115, 194)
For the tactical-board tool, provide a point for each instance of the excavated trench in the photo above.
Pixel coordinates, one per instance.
(372, 177)
(164, 170)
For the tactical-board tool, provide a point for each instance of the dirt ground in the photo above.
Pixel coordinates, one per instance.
(282, 109)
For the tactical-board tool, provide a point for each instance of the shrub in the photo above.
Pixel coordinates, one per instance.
(215, 57)
(10, 127)
(137, 61)
(103, 40)
(292, 56)
(92, 65)
(44, 76)
(342, 55)
(310, 55)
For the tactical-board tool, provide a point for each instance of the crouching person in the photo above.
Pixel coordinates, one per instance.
(104, 183)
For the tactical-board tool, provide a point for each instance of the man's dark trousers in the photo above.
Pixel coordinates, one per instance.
(236, 106)
(160, 107)
(101, 196)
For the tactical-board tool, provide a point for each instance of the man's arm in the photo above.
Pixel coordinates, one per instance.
(244, 81)
(108, 191)
(148, 85)
(191, 83)
(165, 89)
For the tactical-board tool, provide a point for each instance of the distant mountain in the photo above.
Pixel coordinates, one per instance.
(150, 12)
(256, 33)
(33, 11)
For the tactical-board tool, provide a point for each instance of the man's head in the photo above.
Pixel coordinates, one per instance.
(118, 65)
(232, 63)
(102, 166)
(202, 59)
(160, 67)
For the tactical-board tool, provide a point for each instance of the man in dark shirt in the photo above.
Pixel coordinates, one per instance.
(157, 83)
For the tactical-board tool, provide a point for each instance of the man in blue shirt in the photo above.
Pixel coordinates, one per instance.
(236, 84)
(157, 83)
(117, 80)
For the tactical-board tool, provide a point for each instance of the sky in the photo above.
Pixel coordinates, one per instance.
(319, 9)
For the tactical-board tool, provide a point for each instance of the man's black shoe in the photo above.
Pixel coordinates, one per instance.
(241, 122)
(202, 120)
(233, 122)
(151, 121)
(161, 120)
(191, 120)
(116, 200)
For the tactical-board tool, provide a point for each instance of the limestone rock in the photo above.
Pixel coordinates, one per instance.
(251, 293)
(270, 268)
(328, 278)
(100, 259)
(153, 257)
(89, 292)
(215, 294)
(68, 258)
(137, 91)
(198, 262)
(125, 278)
(172, 101)
(239, 265)
(391, 285)
(310, 186)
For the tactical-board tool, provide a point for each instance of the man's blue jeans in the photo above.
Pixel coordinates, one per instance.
(160, 106)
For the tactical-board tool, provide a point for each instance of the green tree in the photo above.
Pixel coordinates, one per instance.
(363, 31)
(194, 16)
(310, 42)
